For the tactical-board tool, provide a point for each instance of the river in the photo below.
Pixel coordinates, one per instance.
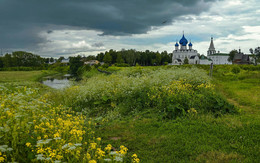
(58, 81)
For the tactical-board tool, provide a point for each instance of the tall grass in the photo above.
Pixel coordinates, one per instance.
(17, 76)
(132, 89)
(33, 129)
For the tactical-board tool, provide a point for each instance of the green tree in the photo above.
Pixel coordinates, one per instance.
(119, 58)
(186, 61)
(100, 57)
(232, 55)
(107, 58)
(255, 54)
(1, 62)
(166, 57)
(113, 54)
(158, 58)
(51, 60)
(90, 57)
(60, 59)
(75, 64)
(7, 60)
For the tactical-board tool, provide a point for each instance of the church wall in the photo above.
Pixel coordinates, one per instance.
(205, 62)
(219, 60)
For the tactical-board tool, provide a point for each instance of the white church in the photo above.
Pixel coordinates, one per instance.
(181, 52)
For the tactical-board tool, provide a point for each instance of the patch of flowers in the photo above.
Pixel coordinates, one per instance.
(32, 129)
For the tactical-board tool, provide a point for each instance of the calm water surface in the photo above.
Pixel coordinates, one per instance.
(57, 82)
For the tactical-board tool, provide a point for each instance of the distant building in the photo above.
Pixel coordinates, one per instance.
(91, 62)
(217, 58)
(241, 58)
(65, 61)
(179, 54)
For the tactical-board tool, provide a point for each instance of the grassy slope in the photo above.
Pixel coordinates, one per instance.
(230, 138)
(17, 76)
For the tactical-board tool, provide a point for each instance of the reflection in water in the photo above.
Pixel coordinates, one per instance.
(57, 82)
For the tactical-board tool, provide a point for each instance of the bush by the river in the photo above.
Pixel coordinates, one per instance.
(170, 91)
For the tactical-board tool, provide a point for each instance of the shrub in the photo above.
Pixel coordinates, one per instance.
(122, 65)
(172, 90)
(235, 69)
(105, 65)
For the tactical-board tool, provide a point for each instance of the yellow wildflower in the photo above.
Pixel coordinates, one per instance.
(134, 155)
(28, 144)
(123, 150)
(40, 150)
(59, 157)
(56, 135)
(92, 161)
(108, 147)
(98, 139)
(136, 160)
(52, 154)
(100, 153)
(88, 156)
(93, 145)
(2, 159)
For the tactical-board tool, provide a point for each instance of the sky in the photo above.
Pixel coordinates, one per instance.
(54, 28)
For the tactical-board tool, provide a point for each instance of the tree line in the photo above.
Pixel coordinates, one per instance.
(21, 59)
(133, 57)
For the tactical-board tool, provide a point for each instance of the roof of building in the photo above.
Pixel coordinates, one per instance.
(65, 61)
(219, 54)
(183, 41)
(238, 56)
(211, 46)
(190, 44)
(192, 57)
(203, 57)
(176, 44)
(242, 57)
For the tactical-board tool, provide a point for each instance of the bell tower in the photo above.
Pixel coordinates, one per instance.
(212, 49)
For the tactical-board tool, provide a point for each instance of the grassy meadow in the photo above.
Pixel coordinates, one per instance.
(19, 76)
(136, 114)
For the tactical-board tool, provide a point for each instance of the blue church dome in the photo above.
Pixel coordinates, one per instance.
(176, 44)
(183, 41)
(190, 44)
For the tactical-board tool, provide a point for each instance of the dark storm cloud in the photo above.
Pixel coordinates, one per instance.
(98, 45)
(49, 31)
(21, 21)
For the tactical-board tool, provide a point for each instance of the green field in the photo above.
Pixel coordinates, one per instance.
(161, 114)
(19, 76)
(204, 138)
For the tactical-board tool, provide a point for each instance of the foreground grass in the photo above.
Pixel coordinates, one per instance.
(19, 76)
(197, 138)
(241, 89)
(194, 136)
(33, 129)
(223, 139)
